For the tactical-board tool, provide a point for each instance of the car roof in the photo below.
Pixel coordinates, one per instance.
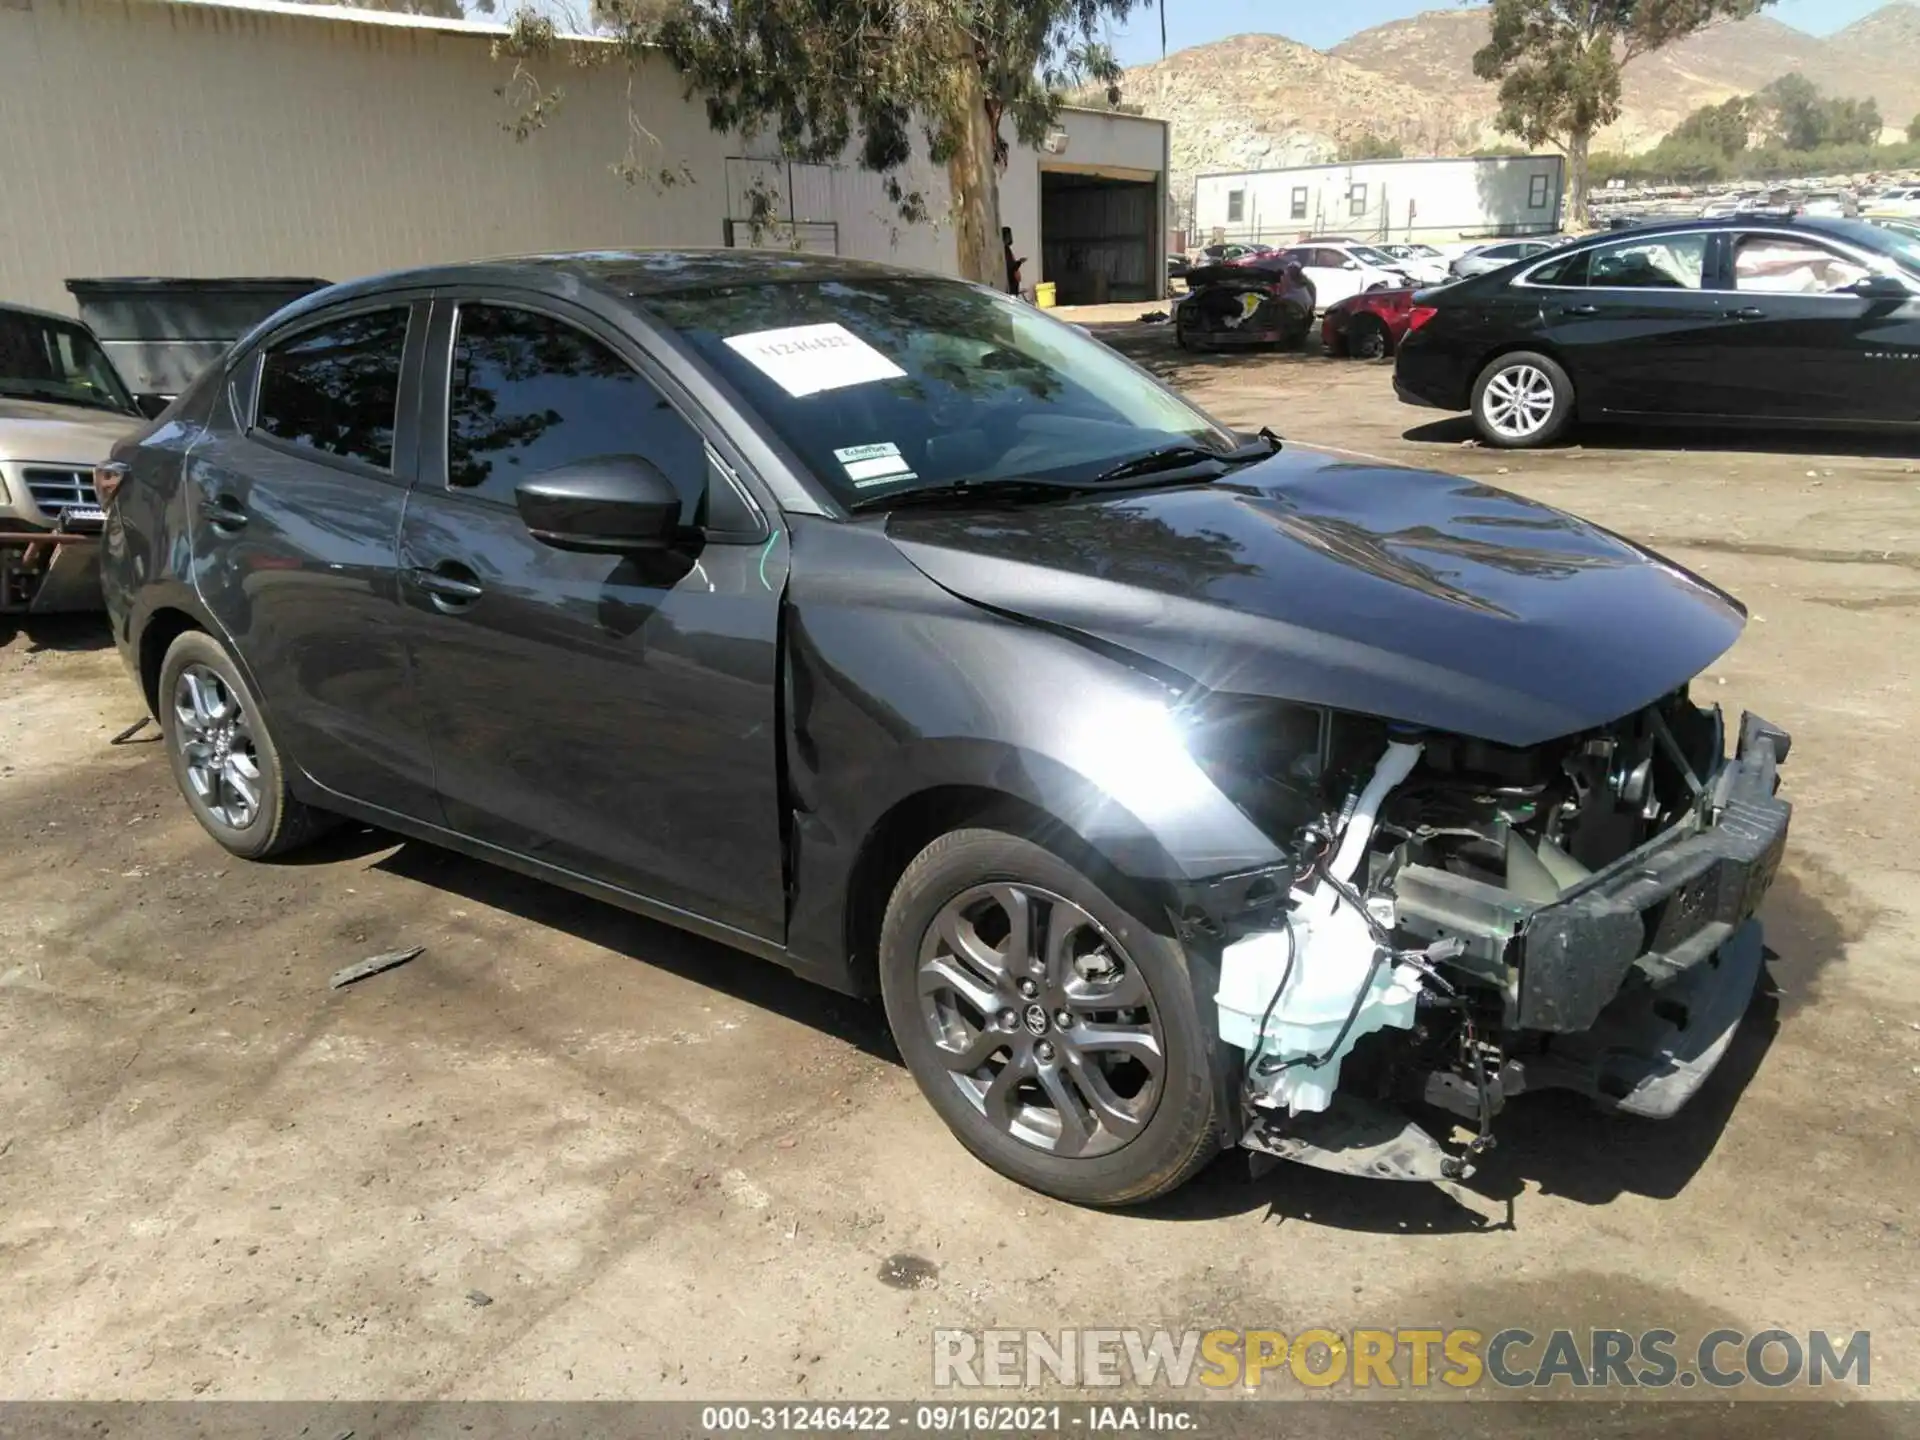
(1832, 227)
(624, 274)
(7, 307)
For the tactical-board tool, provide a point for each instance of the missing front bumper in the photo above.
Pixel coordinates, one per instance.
(1648, 1055)
(1629, 988)
(1661, 911)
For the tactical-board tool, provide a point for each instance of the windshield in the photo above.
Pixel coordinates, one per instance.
(1371, 255)
(886, 386)
(45, 358)
(1901, 242)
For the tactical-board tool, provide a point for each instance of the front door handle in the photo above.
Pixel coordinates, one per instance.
(1579, 309)
(1749, 312)
(226, 514)
(450, 585)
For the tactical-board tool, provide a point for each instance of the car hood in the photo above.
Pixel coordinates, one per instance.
(1414, 596)
(34, 430)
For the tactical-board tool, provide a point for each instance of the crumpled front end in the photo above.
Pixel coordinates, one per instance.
(1466, 921)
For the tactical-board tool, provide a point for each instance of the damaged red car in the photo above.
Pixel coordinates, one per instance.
(1371, 326)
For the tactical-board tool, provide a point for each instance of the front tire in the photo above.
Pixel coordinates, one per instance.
(223, 759)
(1522, 400)
(1056, 1032)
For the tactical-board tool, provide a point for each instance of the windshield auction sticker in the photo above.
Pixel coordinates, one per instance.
(873, 464)
(806, 359)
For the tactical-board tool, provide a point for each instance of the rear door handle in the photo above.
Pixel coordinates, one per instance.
(1579, 309)
(450, 585)
(226, 513)
(1747, 313)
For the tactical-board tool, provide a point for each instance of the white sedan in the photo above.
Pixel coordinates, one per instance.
(1425, 264)
(1340, 271)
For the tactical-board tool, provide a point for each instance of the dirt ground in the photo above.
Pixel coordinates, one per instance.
(566, 1153)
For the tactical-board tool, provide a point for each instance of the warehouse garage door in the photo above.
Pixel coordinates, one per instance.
(1100, 234)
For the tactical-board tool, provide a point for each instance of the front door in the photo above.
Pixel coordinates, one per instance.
(1639, 328)
(1336, 275)
(1805, 348)
(613, 715)
(294, 504)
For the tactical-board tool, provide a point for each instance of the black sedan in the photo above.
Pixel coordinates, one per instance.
(1745, 319)
(886, 628)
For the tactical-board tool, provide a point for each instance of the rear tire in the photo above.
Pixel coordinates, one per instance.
(1367, 339)
(224, 761)
(1077, 1110)
(1522, 400)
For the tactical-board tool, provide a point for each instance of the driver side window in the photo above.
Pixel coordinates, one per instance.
(528, 392)
(1785, 265)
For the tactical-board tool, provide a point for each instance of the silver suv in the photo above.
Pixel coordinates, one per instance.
(62, 408)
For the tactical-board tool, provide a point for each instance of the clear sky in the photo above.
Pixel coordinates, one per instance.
(1194, 22)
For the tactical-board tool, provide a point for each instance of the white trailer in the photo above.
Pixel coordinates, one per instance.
(1429, 200)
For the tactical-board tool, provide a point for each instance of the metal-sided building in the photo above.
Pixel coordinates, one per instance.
(1431, 199)
(208, 138)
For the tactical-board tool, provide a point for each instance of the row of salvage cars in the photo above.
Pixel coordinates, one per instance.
(1761, 319)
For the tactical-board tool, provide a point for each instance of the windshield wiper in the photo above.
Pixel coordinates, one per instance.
(1009, 487)
(1016, 488)
(1184, 454)
(1154, 469)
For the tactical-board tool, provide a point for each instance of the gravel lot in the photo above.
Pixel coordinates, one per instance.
(566, 1153)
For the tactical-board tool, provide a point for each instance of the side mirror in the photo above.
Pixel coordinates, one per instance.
(1881, 287)
(610, 504)
(1351, 265)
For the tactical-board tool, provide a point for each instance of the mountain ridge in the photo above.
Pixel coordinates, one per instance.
(1263, 100)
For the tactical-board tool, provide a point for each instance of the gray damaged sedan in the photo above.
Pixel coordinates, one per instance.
(1172, 790)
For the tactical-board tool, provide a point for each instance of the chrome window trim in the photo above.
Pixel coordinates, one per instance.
(1860, 257)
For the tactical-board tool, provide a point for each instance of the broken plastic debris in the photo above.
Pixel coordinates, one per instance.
(373, 965)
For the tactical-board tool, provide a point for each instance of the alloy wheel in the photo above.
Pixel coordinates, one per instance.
(1367, 342)
(217, 743)
(1518, 401)
(1044, 1023)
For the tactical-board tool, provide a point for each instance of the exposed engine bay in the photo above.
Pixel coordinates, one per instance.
(1466, 920)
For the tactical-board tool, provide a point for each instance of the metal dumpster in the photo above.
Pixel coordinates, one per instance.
(160, 333)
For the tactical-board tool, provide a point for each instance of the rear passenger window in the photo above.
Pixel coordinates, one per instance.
(336, 388)
(530, 392)
(1566, 270)
(1671, 262)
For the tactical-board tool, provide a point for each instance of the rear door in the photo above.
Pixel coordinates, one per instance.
(1636, 324)
(1809, 349)
(294, 504)
(614, 715)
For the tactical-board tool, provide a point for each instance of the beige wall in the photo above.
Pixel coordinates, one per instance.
(145, 138)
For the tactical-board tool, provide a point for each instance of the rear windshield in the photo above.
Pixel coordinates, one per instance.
(45, 358)
(888, 385)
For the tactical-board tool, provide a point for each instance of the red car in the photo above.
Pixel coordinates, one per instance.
(1371, 326)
